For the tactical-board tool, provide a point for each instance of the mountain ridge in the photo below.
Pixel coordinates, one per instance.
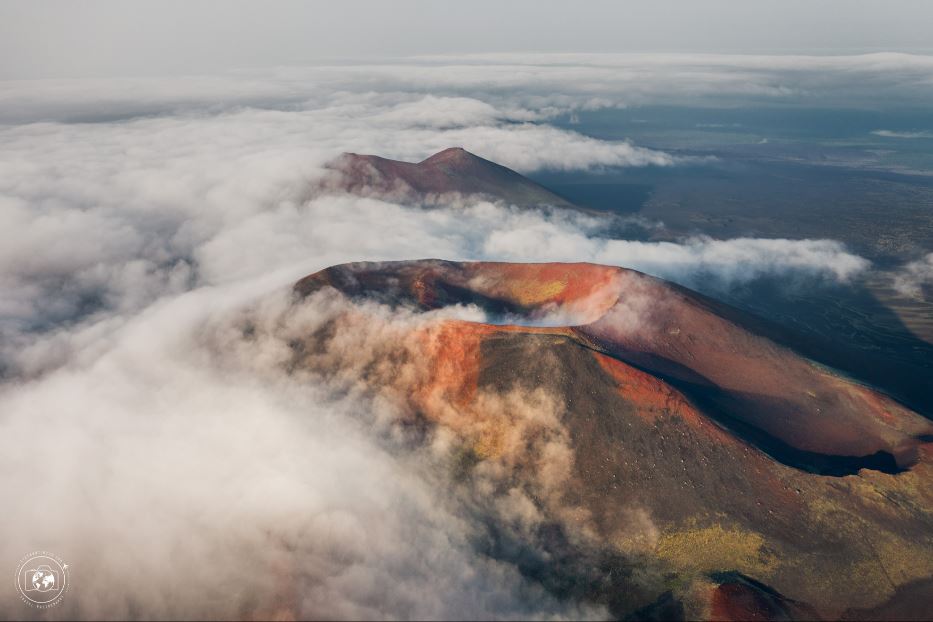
(435, 179)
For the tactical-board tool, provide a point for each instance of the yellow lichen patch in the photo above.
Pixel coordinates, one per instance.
(888, 564)
(905, 561)
(895, 496)
(716, 548)
(531, 292)
(911, 491)
(876, 560)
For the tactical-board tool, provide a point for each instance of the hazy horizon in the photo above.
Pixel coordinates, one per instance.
(106, 38)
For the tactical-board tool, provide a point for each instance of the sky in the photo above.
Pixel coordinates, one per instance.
(170, 37)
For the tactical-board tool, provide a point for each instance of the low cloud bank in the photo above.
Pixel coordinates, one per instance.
(512, 87)
(183, 476)
(899, 134)
(99, 220)
(61, 309)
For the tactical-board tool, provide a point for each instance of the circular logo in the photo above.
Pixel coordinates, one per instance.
(42, 579)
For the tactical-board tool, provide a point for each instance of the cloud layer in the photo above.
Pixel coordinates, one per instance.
(183, 478)
(516, 87)
(900, 134)
(169, 460)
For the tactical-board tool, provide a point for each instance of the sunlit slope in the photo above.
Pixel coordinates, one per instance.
(628, 441)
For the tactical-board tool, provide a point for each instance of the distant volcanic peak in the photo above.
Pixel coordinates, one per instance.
(436, 179)
(451, 155)
(787, 405)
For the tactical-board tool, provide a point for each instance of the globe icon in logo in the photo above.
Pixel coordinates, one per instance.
(43, 579)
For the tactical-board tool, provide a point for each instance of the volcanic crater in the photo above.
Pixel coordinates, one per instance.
(654, 435)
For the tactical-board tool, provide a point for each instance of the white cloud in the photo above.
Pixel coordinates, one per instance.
(915, 279)
(896, 134)
(520, 87)
(101, 219)
(162, 454)
(183, 482)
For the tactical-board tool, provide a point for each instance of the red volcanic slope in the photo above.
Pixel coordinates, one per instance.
(674, 334)
(659, 456)
(451, 171)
